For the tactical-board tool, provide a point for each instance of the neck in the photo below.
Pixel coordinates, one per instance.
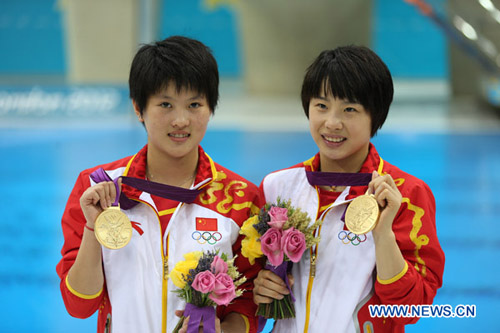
(169, 170)
(352, 164)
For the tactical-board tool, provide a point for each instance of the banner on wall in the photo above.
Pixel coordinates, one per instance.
(67, 101)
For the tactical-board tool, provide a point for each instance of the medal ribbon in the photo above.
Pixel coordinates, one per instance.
(317, 178)
(161, 190)
(165, 191)
(197, 315)
(100, 175)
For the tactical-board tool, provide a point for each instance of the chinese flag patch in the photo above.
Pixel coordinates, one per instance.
(206, 224)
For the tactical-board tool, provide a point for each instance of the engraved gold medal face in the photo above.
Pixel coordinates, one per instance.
(113, 228)
(362, 214)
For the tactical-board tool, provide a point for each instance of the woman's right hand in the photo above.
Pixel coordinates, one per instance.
(269, 286)
(96, 199)
(86, 275)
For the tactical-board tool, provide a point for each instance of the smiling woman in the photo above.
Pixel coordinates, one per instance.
(341, 130)
(171, 184)
(181, 116)
(346, 95)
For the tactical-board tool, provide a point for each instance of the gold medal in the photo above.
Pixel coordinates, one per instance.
(113, 228)
(362, 214)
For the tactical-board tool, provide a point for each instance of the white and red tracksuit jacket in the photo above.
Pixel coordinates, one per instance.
(336, 297)
(137, 295)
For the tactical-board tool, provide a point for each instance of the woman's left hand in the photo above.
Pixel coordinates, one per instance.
(389, 199)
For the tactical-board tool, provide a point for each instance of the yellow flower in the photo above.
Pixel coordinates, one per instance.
(247, 228)
(182, 268)
(250, 248)
(195, 255)
(177, 279)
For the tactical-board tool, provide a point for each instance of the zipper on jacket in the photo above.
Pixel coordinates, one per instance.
(164, 257)
(164, 288)
(312, 274)
(313, 265)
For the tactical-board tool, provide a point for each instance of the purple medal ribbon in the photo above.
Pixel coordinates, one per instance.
(317, 178)
(101, 176)
(197, 315)
(161, 190)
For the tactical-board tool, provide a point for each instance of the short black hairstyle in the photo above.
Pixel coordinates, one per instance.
(182, 60)
(354, 73)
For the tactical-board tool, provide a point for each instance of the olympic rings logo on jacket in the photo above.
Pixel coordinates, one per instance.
(206, 237)
(348, 237)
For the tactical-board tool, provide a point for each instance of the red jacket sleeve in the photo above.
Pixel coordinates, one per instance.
(73, 222)
(244, 304)
(415, 231)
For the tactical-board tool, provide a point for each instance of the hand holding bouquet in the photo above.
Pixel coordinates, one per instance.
(205, 280)
(282, 234)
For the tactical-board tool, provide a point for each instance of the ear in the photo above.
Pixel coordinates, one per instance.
(137, 111)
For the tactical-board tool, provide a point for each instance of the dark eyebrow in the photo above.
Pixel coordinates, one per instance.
(323, 98)
(170, 97)
(347, 101)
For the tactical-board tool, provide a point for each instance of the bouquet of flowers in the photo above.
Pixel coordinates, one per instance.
(282, 234)
(205, 280)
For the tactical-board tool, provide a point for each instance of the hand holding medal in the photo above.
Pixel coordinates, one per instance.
(112, 228)
(380, 203)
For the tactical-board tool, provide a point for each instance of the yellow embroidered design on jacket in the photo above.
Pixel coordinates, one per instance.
(397, 181)
(227, 203)
(419, 240)
(209, 196)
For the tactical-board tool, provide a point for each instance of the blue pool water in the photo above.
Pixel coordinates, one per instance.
(39, 167)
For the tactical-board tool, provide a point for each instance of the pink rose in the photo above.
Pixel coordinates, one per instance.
(218, 265)
(279, 216)
(293, 243)
(204, 282)
(224, 291)
(270, 244)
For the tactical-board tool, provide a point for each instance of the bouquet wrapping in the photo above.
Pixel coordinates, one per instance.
(205, 280)
(281, 233)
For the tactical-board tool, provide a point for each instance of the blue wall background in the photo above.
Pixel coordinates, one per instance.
(32, 36)
(410, 44)
(215, 26)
